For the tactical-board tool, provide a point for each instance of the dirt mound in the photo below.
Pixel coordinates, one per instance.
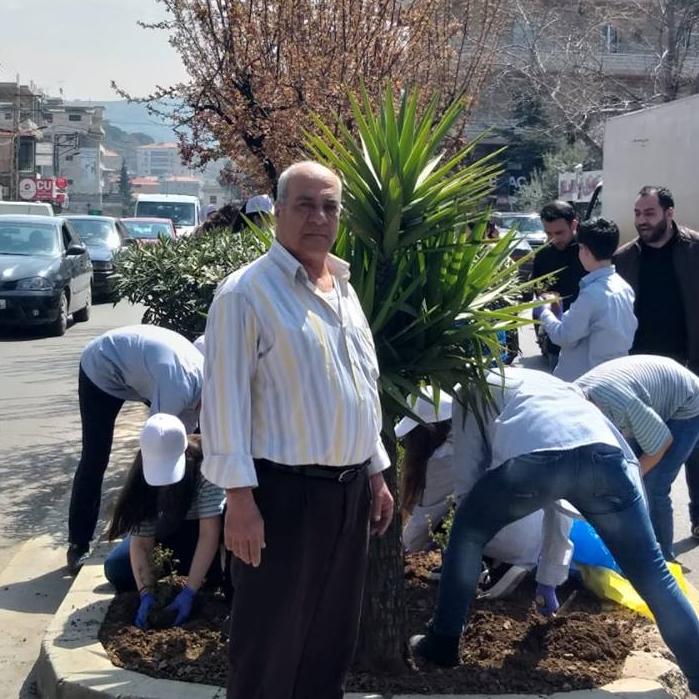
(507, 647)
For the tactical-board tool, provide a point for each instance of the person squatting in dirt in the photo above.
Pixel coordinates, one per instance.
(166, 501)
(654, 402)
(143, 363)
(432, 483)
(541, 442)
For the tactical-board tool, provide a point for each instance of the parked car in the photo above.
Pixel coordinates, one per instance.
(149, 230)
(529, 225)
(45, 272)
(182, 209)
(104, 236)
(41, 208)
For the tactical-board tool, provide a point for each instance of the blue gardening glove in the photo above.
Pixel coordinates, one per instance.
(546, 600)
(147, 601)
(182, 604)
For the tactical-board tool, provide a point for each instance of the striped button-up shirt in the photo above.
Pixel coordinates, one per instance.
(640, 393)
(289, 375)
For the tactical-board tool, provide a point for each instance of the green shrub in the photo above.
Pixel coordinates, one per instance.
(175, 280)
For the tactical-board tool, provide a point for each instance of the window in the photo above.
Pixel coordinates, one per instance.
(8, 116)
(25, 155)
(69, 158)
(75, 117)
(213, 199)
(65, 234)
(610, 37)
(48, 118)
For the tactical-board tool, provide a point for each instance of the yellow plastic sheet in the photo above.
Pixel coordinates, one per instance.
(608, 584)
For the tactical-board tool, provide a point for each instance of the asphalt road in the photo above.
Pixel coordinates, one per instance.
(40, 422)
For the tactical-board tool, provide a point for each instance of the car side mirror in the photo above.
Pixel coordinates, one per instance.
(130, 242)
(76, 249)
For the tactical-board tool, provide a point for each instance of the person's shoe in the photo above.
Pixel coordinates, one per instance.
(437, 648)
(76, 557)
(695, 531)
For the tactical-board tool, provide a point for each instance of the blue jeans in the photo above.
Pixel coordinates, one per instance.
(595, 479)
(658, 482)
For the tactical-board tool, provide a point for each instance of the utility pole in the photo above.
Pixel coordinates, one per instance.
(14, 166)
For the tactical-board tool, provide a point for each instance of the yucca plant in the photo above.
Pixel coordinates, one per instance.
(436, 293)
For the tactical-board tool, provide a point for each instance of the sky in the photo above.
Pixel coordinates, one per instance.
(80, 46)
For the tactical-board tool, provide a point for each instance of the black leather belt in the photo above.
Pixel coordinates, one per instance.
(341, 474)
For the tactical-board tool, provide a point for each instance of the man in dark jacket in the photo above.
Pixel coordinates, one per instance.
(560, 256)
(662, 267)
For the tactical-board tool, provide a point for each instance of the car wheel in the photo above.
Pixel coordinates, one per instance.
(60, 325)
(83, 315)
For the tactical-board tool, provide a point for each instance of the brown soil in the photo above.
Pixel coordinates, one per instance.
(506, 648)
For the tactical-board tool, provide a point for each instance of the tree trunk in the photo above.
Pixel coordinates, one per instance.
(383, 627)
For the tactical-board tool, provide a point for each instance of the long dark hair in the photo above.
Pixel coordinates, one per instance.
(139, 502)
(420, 443)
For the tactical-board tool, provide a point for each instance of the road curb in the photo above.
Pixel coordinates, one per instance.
(74, 665)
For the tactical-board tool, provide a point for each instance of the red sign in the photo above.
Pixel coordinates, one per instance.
(44, 189)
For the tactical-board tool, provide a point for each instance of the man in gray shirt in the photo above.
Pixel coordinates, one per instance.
(142, 363)
(540, 442)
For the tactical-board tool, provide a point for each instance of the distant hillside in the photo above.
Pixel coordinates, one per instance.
(135, 118)
(125, 143)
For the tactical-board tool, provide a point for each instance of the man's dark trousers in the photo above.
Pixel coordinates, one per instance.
(98, 414)
(295, 618)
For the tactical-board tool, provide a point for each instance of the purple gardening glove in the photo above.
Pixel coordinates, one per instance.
(546, 600)
(536, 312)
(182, 604)
(147, 601)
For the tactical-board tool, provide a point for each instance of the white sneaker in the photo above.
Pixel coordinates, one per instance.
(507, 583)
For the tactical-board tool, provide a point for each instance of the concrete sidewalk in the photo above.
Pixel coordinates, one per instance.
(35, 581)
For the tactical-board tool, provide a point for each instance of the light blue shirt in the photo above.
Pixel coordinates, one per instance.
(600, 325)
(533, 411)
(148, 364)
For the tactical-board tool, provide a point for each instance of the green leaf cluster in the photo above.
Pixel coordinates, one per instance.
(176, 279)
(435, 290)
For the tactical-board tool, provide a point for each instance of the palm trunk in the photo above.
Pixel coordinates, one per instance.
(383, 627)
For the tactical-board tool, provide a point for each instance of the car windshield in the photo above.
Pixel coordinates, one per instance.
(523, 224)
(97, 232)
(28, 239)
(148, 230)
(181, 214)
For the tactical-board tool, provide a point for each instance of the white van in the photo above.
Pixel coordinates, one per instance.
(182, 209)
(35, 208)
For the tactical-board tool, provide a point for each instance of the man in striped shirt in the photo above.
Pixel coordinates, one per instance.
(291, 428)
(653, 400)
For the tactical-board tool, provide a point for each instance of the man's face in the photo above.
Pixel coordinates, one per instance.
(307, 218)
(560, 233)
(651, 221)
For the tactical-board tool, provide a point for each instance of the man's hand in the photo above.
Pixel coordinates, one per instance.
(244, 530)
(381, 505)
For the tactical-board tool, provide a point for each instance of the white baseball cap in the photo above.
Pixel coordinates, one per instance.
(260, 203)
(199, 343)
(425, 410)
(163, 444)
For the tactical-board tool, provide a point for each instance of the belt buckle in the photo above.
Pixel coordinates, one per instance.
(349, 474)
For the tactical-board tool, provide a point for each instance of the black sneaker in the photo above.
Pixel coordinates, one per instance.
(437, 648)
(76, 557)
(695, 531)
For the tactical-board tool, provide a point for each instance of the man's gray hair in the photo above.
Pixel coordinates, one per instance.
(283, 183)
